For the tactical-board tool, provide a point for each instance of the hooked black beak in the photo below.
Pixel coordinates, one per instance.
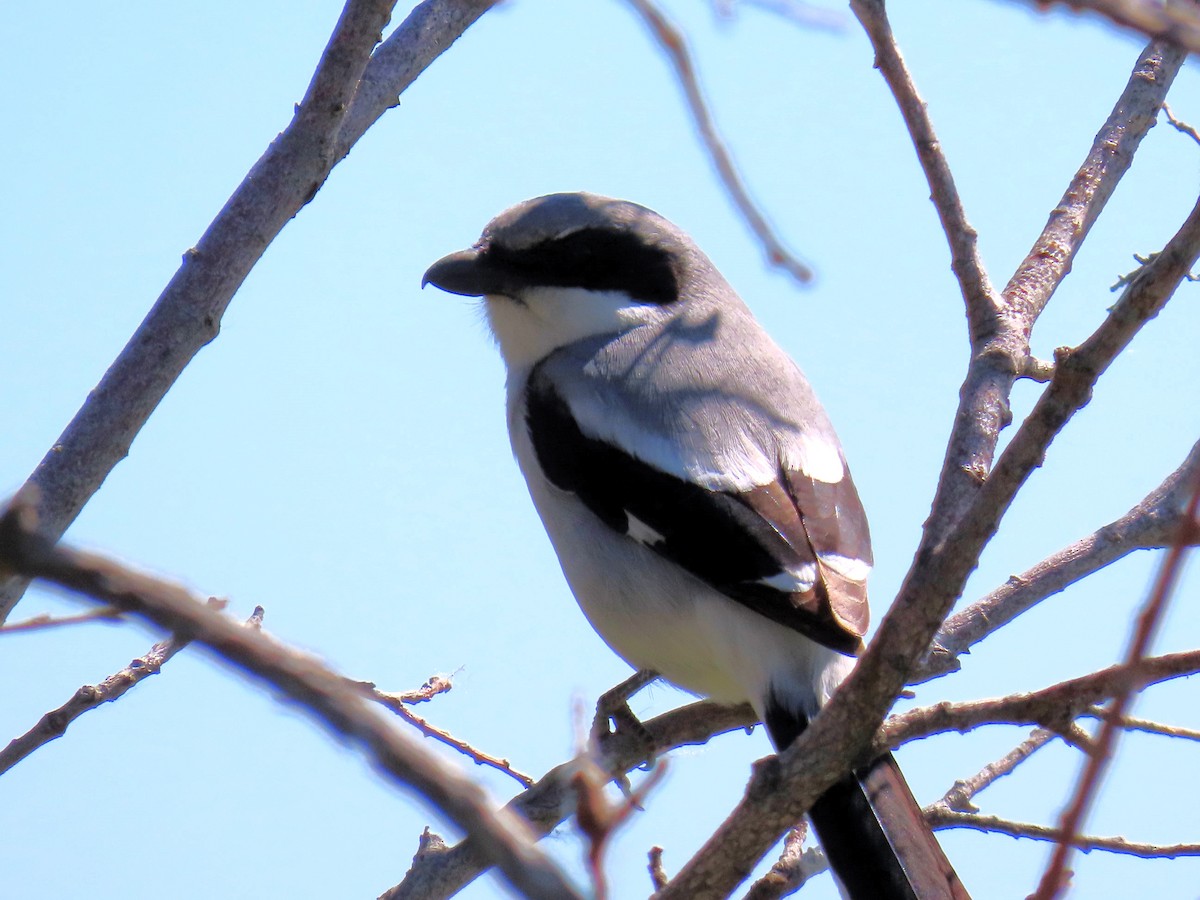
(466, 272)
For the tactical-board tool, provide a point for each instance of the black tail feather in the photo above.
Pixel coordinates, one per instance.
(872, 830)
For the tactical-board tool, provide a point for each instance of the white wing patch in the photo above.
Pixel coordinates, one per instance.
(819, 458)
(641, 532)
(847, 566)
(801, 579)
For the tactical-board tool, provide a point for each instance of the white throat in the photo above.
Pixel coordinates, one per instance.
(546, 318)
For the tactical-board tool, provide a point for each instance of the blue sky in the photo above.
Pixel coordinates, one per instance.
(338, 454)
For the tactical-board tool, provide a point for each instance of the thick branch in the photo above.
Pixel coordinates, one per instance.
(187, 315)
(1135, 112)
(331, 698)
(1000, 355)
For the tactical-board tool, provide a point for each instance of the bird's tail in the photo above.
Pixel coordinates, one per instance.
(874, 833)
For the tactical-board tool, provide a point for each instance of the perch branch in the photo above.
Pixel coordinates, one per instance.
(443, 872)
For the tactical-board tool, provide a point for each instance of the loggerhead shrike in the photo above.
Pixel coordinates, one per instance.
(693, 489)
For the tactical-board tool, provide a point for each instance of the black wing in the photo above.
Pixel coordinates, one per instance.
(795, 550)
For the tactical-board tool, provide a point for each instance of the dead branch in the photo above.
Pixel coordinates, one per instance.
(1056, 875)
(1129, 723)
(54, 724)
(1149, 525)
(398, 703)
(1051, 707)
(1180, 126)
(1178, 23)
(345, 96)
(959, 797)
(779, 793)
(502, 839)
(43, 621)
(948, 818)
(673, 44)
(794, 867)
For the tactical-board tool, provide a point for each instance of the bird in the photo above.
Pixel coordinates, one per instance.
(694, 490)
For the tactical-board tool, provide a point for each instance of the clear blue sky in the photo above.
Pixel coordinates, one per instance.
(338, 455)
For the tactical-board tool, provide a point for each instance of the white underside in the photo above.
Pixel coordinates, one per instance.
(655, 615)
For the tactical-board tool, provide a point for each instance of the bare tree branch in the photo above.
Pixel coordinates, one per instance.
(187, 315)
(948, 818)
(1055, 877)
(1000, 349)
(1129, 723)
(1180, 126)
(398, 703)
(1050, 707)
(792, 870)
(781, 790)
(54, 724)
(502, 839)
(982, 301)
(959, 797)
(1149, 525)
(1172, 20)
(672, 42)
(43, 621)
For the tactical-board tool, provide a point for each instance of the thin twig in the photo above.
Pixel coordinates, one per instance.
(1054, 707)
(963, 791)
(672, 42)
(1054, 879)
(1130, 723)
(54, 724)
(1179, 125)
(948, 818)
(806, 15)
(982, 301)
(329, 697)
(45, 621)
(654, 863)
(795, 866)
(398, 703)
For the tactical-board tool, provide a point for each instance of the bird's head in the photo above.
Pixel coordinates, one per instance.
(564, 267)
